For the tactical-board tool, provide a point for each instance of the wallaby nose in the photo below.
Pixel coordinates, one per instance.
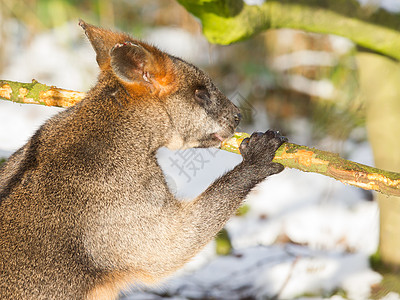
(237, 118)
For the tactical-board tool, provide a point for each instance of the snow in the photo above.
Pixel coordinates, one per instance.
(304, 234)
(391, 296)
(304, 57)
(322, 88)
(282, 271)
(389, 5)
(332, 228)
(178, 42)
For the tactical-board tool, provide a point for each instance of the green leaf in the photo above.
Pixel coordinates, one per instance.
(229, 21)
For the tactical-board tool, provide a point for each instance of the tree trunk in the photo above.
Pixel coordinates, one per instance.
(380, 88)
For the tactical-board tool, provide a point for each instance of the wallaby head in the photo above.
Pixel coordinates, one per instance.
(198, 114)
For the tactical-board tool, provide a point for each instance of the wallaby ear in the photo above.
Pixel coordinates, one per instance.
(129, 60)
(102, 41)
(139, 63)
(132, 61)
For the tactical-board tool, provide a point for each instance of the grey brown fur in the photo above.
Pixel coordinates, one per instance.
(84, 207)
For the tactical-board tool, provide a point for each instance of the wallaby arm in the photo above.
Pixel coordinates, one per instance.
(212, 209)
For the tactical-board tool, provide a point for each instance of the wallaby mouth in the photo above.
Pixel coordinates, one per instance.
(221, 136)
(213, 139)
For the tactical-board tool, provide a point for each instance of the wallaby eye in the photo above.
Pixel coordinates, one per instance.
(202, 96)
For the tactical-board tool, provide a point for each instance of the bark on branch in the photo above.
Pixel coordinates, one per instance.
(290, 155)
(329, 164)
(38, 93)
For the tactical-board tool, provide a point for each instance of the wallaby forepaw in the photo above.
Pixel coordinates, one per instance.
(261, 146)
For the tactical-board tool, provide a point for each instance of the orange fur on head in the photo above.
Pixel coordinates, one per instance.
(158, 74)
(159, 70)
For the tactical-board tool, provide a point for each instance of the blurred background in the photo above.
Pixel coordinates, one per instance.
(299, 235)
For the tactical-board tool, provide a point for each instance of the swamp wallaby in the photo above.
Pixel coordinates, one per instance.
(84, 206)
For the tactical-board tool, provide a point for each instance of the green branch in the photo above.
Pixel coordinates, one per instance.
(329, 164)
(229, 21)
(38, 93)
(290, 155)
